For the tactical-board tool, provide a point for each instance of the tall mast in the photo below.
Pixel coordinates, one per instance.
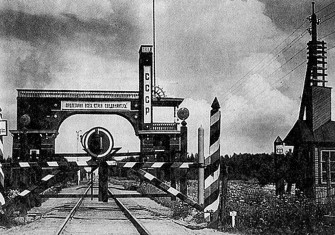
(154, 42)
(316, 70)
(314, 22)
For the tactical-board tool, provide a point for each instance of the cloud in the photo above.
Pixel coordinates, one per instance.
(257, 116)
(203, 49)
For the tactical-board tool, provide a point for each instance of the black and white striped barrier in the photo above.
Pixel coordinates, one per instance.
(76, 164)
(43, 182)
(29, 191)
(168, 189)
(137, 165)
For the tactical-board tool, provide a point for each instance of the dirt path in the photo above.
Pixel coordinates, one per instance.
(104, 218)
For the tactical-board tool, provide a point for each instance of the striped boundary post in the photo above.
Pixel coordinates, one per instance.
(2, 175)
(212, 170)
(168, 189)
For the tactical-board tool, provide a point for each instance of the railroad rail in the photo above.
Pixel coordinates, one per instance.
(140, 228)
(73, 211)
(66, 224)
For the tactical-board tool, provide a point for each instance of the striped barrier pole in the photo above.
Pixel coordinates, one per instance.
(43, 183)
(212, 170)
(2, 175)
(24, 195)
(168, 189)
(88, 164)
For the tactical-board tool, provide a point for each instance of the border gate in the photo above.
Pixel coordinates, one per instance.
(41, 112)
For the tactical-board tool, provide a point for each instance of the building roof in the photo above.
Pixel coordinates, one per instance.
(301, 133)
(325, 133)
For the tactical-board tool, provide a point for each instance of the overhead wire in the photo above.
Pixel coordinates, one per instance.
(325, 16)
(285, 49)
(324, 7)
(327, 35)
(277, 80)
(331, 48)
(287, 61)
(253, 69)
(233, 91)
(327, 19)
(281, 78)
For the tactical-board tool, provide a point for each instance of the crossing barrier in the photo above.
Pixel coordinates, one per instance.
(76, 164)
(168, 189)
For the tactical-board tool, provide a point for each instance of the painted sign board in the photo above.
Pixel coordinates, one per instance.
(98, 142)
(147, 94)
(87, 105)
(3, 128)
(146, 49)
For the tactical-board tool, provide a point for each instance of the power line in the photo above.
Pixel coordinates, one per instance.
(325, 16)
(286, 48)
(324, 7)
(230, 89)
(327, 35)
(327, 19)
(331, 48)
(277, 80)
(287, 61)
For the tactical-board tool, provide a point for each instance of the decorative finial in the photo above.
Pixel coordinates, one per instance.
(215, 104)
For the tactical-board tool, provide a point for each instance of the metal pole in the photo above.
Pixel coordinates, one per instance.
(78, 172)
(91, 183)
(201, 161)
(224, 190)
(183, 173)
(103, 182)
(154, 41)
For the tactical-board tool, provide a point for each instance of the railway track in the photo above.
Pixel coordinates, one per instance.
(112, 212)
(73, 211)
(138, 225)
(126, 212)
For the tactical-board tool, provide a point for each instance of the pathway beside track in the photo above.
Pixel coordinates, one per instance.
(94, 217)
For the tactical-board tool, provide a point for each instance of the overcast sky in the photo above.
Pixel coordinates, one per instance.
(244, 52)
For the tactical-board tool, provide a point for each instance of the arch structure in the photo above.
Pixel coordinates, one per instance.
(41, 112)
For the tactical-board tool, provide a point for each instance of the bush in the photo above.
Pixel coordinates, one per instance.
(264, 213)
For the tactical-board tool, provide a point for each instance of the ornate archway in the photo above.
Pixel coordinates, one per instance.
(41, 112)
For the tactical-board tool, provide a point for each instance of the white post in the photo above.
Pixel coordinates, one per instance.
(78, 174)
(233, 215)
(201, 161)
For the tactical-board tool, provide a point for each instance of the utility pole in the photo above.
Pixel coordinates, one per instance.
(78, 140)
(78, 172)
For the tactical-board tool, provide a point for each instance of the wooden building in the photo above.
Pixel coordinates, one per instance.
(313, 135)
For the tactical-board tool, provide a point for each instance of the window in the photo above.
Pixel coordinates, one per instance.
(330, 165)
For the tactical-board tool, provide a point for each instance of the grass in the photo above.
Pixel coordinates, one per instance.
(259, 211)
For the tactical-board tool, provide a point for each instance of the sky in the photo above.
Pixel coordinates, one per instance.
(250, 54)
